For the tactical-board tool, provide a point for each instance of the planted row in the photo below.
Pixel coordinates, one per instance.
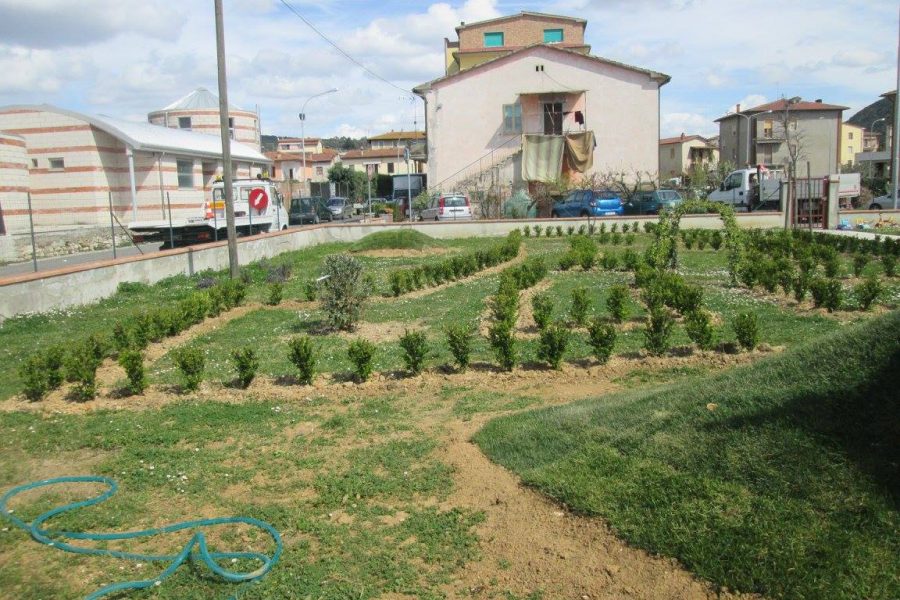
(78, 363)
(407, 279)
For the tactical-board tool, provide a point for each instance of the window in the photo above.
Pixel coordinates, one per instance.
(34, 163)
(185, 174)
(793, 125)
(849, 135)
(291, 173)
(850, 150)
(493, 39)
(57, 164)
(767, 155)
(231, 127)
(390, 167)
(553, 118)
(734, 181)
(512, 118)
(767, 129)
(553, 36)
(184, 122)
(320, 171)
(671, 152)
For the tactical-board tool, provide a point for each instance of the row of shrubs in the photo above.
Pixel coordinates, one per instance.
(77, 363)
(802, 265)
(407, 279)
(583, 229)
(702, 238)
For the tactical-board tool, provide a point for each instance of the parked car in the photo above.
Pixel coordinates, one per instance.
(881, 202)
(340, 207)
(311, 209)
(447, 207)
(589, 203)
(651, 202)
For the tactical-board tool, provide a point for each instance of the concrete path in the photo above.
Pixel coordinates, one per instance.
(866, 235)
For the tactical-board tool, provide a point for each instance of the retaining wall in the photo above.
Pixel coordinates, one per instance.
(84, 284)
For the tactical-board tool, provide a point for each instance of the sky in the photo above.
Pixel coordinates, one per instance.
(125, 58)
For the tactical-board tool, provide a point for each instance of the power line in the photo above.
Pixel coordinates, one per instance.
(341, 50)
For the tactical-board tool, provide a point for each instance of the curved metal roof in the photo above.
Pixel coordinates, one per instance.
(156, 138)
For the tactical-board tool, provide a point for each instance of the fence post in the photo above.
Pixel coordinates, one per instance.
(809, 196)
(171, 232)
(112, 225)
(31, 228)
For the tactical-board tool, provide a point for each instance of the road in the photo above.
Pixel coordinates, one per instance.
(58, 262)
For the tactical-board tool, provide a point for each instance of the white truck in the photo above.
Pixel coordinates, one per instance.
(258, 208)
(740, 189)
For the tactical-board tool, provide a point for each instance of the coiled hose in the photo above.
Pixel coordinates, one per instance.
(195, 549)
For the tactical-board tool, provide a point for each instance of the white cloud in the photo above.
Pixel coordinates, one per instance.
(676, 123)
(748, 102)
(347, 130)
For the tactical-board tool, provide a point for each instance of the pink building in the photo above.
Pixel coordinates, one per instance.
(199, 112)
(495, 119)
(74, 165)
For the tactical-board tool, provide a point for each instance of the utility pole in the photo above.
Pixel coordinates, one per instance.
(226, 145)
(895, 157)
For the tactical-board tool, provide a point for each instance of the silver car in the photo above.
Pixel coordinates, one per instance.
(447, 207)
(340, 208)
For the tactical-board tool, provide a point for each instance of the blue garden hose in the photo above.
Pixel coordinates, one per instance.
(196, 549)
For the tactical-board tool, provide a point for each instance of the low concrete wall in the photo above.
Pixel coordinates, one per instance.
(870, 217)
(83, 284)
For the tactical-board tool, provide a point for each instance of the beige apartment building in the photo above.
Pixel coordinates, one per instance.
(852, 143)
(678, 155)
(758, 135)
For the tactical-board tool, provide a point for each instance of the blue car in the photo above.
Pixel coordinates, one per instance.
(589, 203)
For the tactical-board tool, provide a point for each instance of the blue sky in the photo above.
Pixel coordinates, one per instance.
(128, 57)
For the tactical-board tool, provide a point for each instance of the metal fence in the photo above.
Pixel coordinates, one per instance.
(40, 234)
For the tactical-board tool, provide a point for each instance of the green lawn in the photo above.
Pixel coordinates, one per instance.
(779, 478)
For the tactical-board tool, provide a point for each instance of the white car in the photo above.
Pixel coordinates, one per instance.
(881, 202)
(447, 207)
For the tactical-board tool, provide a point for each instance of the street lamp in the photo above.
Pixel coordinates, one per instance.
(749, 125)
(872, 128)
(303, 133)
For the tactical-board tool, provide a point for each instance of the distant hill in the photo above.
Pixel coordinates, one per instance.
(881, 109)
(341, 144)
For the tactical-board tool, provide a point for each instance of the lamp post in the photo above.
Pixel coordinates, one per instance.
(749, 125)
(303, 134)
(872, 128)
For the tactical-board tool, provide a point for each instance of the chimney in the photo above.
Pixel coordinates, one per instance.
(818, 101)
(682, 135)
(738, 108)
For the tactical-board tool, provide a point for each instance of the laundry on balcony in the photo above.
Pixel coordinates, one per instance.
(544, 156)
(580, 151)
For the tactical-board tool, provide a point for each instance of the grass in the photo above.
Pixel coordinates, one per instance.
(332, 478)
(398, 239)
(779, 478)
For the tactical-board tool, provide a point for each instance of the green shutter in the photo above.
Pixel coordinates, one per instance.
(552, 36)
(493, 39)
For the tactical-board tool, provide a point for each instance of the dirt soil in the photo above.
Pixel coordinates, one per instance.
(546, 547)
